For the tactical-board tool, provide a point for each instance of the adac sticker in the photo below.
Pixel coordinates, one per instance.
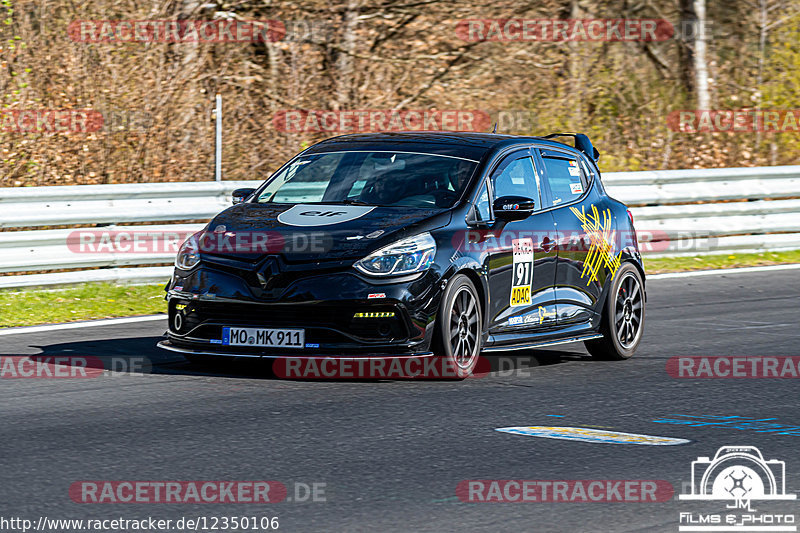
(321, 215)
(522, 274)
(593, 435)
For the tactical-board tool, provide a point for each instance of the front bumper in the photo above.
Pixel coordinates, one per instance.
(342, 313)
(169, 345)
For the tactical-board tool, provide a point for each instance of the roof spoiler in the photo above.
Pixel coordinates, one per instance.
(582, 143)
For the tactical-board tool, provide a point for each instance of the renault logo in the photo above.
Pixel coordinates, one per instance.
(267, 271)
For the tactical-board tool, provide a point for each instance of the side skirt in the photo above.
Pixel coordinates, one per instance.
(541, 344)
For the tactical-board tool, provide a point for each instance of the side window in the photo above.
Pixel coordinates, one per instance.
(516, 177)
(563, 175)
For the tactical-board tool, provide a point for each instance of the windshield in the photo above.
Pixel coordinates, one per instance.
(371, 178)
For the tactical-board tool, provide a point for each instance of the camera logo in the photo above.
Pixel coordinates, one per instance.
(739, 475)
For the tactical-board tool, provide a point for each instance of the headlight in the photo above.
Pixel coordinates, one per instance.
(403, 257)
(189, 252)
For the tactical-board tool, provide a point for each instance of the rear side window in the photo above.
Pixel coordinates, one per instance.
(563, 175)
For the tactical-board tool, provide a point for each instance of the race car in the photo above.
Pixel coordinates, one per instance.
(415, 244)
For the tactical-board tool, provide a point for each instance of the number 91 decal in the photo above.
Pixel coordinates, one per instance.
(522, 276)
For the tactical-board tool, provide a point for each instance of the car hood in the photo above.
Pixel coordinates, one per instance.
(310, 232)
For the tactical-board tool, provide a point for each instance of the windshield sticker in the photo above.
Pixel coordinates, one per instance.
(576, 188)
(522, 272)
(306, 215)
(601, 238)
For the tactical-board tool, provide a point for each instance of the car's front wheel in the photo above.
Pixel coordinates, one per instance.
(623, 317)
(459, 333)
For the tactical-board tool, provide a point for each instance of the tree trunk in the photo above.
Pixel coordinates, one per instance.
(700, 63)
(345, 63)
(693, 66)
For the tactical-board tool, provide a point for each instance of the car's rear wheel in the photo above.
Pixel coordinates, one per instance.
(459, 333)
(623, 317)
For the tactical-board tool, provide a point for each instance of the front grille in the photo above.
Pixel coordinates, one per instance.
(323, 323)
(271, 276)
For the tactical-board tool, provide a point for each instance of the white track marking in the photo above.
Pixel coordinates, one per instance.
(85, 324)
(722, 271)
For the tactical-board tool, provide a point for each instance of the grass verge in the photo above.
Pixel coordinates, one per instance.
(82, 302)
(105, 300)
(710, 262)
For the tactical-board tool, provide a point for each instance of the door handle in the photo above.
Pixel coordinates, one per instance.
(547, 244)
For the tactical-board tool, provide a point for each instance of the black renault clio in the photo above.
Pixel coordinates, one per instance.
(420, 244)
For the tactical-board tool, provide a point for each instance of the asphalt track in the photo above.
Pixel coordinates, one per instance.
(391, 453)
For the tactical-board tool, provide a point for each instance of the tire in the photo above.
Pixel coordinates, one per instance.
(459, 331)
(622, 324)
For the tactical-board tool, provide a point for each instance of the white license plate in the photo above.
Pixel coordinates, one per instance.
(279, 338)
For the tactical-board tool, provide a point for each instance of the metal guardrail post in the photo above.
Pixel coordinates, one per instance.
(218, 139)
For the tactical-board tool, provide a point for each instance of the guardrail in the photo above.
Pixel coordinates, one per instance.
(677, 212)
(696, 212)
(31, 250)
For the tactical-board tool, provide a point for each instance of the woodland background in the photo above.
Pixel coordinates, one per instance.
(386, 54)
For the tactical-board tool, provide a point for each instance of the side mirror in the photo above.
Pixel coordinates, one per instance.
(513, 207)
(240, 195)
